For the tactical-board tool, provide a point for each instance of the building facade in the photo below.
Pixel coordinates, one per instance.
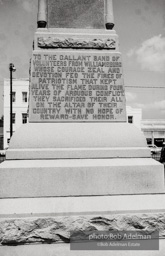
(134, 116)
(154, 131)
(20, 88)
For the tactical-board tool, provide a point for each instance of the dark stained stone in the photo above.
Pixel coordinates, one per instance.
(76, 14)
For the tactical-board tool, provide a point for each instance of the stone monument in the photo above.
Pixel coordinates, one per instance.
(77, 164)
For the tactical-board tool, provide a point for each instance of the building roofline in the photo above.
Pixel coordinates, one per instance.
(16, 79)
(153, 120)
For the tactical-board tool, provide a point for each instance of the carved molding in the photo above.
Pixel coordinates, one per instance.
(80, 43)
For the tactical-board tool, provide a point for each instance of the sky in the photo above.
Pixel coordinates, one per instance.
(140, 25)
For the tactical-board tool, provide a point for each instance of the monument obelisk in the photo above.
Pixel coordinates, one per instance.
(77, 158)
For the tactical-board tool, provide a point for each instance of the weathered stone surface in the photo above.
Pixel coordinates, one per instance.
(57, 229)
(76, 14)
(87, 43)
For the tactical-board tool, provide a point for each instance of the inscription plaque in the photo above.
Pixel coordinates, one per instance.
(76, 86)
(76, 14)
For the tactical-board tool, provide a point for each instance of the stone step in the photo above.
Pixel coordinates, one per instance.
(80, 177)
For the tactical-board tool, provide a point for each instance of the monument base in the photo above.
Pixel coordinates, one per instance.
(79, 159)
(80, 177)
(64, 250)
(42, 226)
(77, 141)
(65, 187)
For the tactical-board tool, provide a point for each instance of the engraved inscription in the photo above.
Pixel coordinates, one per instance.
(74, 87)
(50, 42)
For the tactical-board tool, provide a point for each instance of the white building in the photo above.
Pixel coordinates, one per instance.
(134, 116)
(154, 131)
(20, 88)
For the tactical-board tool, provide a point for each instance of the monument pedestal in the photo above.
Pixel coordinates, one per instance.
(85, 177)
(80, 159)
(81, 176)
